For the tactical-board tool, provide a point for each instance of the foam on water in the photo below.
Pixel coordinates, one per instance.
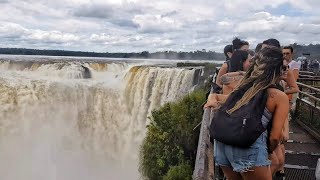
(55, 124)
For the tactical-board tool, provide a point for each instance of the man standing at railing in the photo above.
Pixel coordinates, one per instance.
(287, 52)
(294, 66)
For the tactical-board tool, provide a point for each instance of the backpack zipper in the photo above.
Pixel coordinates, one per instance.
(244, 122)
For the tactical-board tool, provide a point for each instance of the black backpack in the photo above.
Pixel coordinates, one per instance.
(242, 127)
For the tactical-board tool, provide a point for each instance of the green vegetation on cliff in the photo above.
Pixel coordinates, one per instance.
(169, 148)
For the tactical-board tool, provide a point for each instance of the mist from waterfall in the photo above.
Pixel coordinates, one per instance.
(57, 124)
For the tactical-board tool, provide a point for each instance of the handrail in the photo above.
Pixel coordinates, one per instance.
(306, 72)
(310, 96)
(201, 169)
(308, 79)
(307, 117)
(307, 86)
(308, 76)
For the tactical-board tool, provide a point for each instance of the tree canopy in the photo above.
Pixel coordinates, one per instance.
(169, 148)
(196, 55)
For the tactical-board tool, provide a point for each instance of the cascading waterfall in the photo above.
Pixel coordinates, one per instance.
(55, 124)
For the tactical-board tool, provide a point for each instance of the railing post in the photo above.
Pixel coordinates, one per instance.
(201, 168)
(318, 170)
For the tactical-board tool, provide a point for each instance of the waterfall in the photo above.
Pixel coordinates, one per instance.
(56, 123)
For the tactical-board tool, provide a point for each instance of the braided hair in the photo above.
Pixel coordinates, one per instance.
(266, 69)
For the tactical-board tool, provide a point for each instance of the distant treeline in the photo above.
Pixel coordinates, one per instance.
(313, 50)
(197, 55)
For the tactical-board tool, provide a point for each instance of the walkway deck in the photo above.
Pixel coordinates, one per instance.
(302, 153)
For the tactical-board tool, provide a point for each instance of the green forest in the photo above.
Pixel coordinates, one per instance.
(195, 55)
(313, 50)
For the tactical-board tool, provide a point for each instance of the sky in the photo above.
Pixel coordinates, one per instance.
(155, 25)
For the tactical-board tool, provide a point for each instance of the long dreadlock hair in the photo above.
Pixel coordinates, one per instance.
(266, 69)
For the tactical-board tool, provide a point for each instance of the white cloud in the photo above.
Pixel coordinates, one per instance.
(260, 22)
(310, 28)
(137, 25)
(16, 31)
(261, 16)
(224, 23)
(52, 36)
(156, 23)
(102, 38)
(11, 30)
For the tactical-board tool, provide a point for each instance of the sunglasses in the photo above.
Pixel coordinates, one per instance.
(285, 67)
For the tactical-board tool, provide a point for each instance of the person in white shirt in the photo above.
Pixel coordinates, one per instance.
(287, 52)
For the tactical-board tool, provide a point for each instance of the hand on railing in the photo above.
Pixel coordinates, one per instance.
(214, 101)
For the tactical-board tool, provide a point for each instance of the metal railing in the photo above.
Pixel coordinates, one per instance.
(309, 78)
(307, 112)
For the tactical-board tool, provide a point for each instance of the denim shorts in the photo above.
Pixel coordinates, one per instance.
(242, 160)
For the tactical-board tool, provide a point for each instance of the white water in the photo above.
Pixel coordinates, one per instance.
(56, 125)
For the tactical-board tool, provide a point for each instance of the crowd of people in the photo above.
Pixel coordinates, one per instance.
(270, 72)
(309, 65)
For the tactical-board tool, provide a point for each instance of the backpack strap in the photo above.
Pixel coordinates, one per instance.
(277, 86)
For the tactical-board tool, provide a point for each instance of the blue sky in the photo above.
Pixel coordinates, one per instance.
(288, 10)
(155, 25)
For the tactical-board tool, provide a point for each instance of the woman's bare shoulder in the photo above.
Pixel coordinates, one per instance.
(277, 99)
(277, 95)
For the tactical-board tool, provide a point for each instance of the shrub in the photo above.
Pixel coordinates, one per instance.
(180, 172)
(171, 139)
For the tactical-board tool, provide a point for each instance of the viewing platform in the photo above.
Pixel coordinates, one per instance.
(302, 148)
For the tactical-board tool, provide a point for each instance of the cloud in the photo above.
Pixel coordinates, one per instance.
(149, 23)
(11, 30)
(52, 36)
(102, 38)
(307, 5)
(16, 31)
(260, 22)
(95, 11)
(168, 14)
(120, 15)
(137, 25)
(224, 24)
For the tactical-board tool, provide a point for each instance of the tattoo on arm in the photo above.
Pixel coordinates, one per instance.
(225, 80)
(272, 94)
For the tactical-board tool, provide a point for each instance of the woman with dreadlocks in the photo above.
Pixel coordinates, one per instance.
(252, 162)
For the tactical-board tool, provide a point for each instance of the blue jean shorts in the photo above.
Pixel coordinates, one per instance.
(242, 160)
